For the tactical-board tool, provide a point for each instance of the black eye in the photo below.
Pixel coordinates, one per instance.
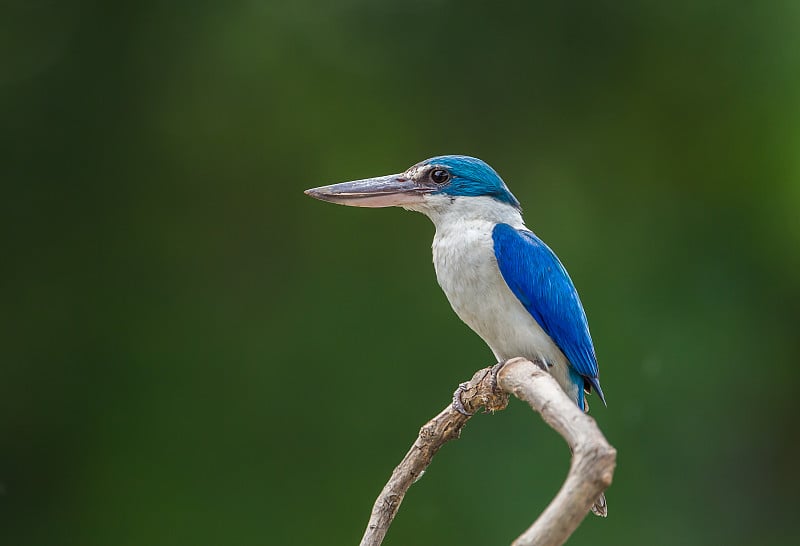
(440, 176)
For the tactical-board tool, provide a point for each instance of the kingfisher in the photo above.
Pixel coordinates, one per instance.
(500, 279)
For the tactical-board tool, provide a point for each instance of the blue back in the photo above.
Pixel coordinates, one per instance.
(536, 277)
(472, 177)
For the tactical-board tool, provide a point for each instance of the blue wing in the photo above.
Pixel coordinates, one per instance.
(535, 275)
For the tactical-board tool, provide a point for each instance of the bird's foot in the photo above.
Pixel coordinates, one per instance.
(481, 391)
(458, 405)
(543, 364)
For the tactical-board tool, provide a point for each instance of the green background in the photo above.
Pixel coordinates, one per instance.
(194, 352)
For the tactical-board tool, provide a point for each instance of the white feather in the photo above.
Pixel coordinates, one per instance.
(467, 271)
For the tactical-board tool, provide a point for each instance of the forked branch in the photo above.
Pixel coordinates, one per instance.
(593, 458)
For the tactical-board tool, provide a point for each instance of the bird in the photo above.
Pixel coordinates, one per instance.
(501, 279)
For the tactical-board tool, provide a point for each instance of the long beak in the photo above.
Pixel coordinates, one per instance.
(384, 191)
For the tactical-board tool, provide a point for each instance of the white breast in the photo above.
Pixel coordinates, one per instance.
(467, 271)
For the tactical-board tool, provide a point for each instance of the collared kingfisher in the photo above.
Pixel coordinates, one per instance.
(500, 278)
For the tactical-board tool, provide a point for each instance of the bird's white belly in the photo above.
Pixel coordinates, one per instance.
(467, 271)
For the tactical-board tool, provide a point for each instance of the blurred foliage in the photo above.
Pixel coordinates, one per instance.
(193, 352)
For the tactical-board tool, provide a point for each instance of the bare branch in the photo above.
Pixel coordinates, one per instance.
(593, 459)
(433, 435)
(592, 464)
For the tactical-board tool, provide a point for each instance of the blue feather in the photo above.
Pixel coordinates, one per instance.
(536, 277)
(472, 177)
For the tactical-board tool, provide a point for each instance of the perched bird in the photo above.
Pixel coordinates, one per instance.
(500, 278)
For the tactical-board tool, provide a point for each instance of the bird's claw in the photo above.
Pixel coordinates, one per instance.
(458, 405)
(496, 370)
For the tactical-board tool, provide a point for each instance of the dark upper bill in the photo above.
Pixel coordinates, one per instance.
(384, 191)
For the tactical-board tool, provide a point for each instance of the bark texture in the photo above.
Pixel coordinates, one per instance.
(593, 458)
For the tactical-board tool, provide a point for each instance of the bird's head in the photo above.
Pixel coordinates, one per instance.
(433, 183)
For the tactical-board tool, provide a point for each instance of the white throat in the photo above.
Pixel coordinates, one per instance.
(449, 209)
